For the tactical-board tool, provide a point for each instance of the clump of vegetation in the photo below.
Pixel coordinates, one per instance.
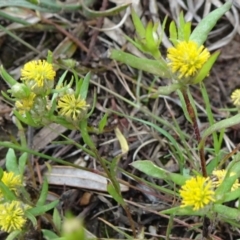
(43, 98)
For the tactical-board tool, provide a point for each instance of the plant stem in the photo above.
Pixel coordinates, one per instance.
(196, 130)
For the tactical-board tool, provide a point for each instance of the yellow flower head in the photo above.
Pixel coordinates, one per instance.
(38, 73)
(236, 97)
(187, 58)
(12, 216)
(220, 174)
(71, 107)
(197, 192)
(12, 181)
(25, 104)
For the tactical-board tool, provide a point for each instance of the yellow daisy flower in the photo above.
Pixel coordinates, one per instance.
(12, 181)
(25, 104)
(220, 174)
(187, 58)
(197, 192)
(235, 97)
(12, 216)
(38, 74)
(71, 107)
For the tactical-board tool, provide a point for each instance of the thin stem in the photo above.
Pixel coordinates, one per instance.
(196, 130)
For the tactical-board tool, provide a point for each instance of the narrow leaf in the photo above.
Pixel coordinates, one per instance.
(226, 123)
(11, 161)
(158, 67)
(116, 196)
(43, 196)
(200, 33)
(138, 24)
(13, 235)
(227, 212)
(102, 123)
(36, 211)
(122, 140)
(173, 33)
(6, 77)
(206, 68)
(57, 219)
(154, 171)
(22, 163)
(49, 235)
(85, 85)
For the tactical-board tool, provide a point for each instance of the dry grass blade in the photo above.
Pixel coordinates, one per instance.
(69, 176)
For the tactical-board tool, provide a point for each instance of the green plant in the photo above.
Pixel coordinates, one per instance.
(188, 62)
(203, 189)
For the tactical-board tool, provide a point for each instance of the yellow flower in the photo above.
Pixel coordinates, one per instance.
(197, 192)
(12, 181)
(12, 216)
(220, 174)
(38, 73)
(236, 97)
(25, 104)
(71, 107)
(187, 58)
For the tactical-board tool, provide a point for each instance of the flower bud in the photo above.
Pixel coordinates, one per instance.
(20, 90)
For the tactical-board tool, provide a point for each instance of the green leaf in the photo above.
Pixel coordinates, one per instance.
(11, 162)
(200, 33)
(187, 31)
(154, 171)
(6, 77)
(230, 196)
(13, 235)
(183, 211)
(39, 210)
(150, 42)
(140, 29)
(31, 217)
(156, 67)
(43, 196)
(57, 220)
(137, 43)
(226, 212)
(203, 73)
(173, 33)
(181, 27)
(224, 190)
(226, 123)
(50, 235)
(84, 131)
(167, 90)
(27, 120)
(85, 85)
(7, 193)
(49, 57)
(116, 196)
(22, 163)
(103, 122)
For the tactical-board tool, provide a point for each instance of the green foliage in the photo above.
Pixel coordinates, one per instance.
(156, 67)
(200, 33)
(151, 169)
(11, 162)
(147, 40)
(204, 71)
(102, 123)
